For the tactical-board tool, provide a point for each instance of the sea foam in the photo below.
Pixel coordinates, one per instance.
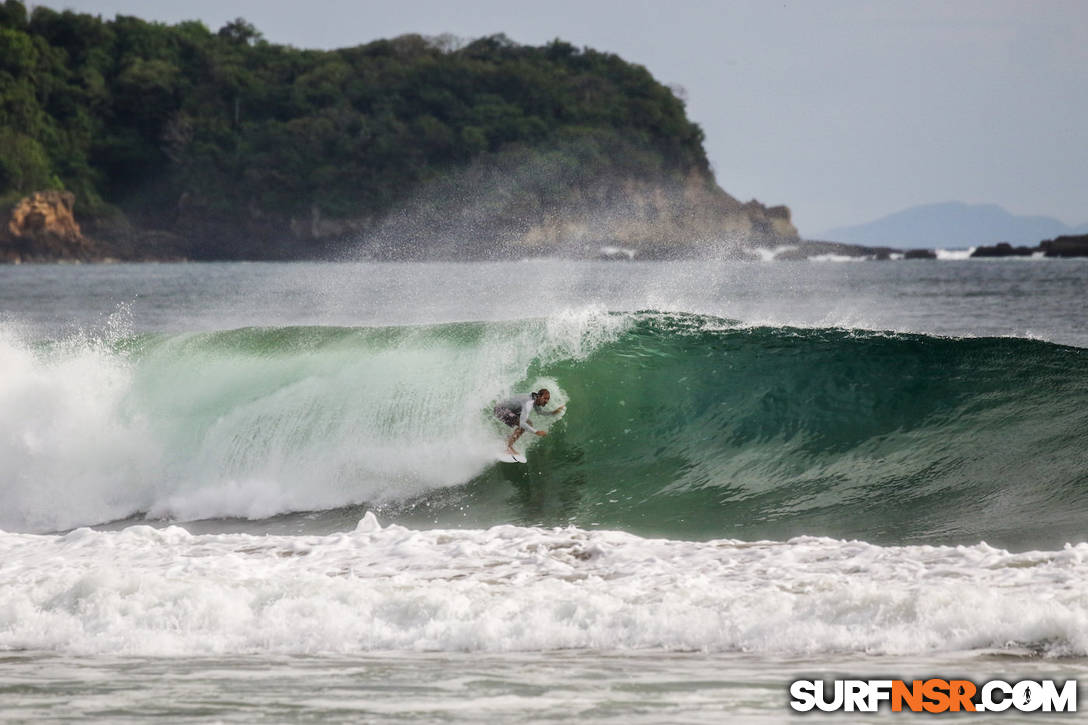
(146, 591)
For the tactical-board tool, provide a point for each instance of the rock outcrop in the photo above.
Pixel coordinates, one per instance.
(1003, 249)
(919, 254)
(1067, 246)
(42, 227)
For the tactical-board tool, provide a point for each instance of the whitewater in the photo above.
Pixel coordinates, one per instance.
(279, 480)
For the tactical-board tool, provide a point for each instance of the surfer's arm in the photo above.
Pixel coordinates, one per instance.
(523, 421)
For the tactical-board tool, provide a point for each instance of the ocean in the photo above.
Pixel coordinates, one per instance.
(269, 492)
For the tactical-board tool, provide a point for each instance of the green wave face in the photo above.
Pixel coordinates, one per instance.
(682, 430)
(677, 425)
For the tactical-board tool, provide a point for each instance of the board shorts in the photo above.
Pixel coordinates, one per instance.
(508, 416)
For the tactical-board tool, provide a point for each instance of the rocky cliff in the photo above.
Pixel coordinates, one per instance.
(43, 227)
(656, 221)
(631, 218)
(529, 209)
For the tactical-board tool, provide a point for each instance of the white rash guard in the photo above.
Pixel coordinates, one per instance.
(523, 404)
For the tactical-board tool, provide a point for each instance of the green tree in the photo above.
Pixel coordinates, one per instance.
(144, 115)
(24, 166)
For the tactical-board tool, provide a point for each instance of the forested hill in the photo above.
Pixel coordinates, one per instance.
(176, 140)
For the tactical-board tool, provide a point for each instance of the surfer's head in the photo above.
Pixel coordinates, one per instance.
(541, 397)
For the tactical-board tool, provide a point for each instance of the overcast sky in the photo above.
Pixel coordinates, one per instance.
(845, 110)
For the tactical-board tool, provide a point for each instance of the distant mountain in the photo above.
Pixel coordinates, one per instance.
(952, 224)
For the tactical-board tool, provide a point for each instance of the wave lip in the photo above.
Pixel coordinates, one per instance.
(144, 591)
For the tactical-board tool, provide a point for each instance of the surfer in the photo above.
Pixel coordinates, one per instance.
(515, 413)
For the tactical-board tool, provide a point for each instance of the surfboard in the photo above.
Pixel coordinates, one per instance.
(505, 457)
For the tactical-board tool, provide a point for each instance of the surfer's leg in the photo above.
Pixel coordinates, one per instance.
(512, 440)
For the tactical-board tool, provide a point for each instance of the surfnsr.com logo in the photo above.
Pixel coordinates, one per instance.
(933, 695)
